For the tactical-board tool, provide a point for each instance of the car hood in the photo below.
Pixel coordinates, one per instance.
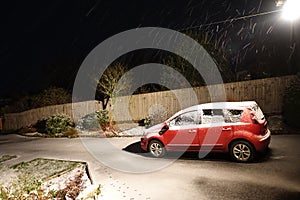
(154, 129)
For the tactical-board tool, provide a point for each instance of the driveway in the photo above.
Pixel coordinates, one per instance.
(275, 176)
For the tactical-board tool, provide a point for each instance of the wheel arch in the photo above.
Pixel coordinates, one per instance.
(239, 139)
(152, 139)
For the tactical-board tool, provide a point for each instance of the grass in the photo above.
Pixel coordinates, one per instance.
(41, 168)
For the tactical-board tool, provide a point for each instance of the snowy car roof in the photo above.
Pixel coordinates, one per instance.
(220, 105)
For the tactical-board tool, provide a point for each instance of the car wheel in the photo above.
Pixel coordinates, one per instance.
(242, 151)
(157, 149)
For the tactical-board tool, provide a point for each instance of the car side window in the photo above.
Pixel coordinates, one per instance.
(188, 118)
(212, 116)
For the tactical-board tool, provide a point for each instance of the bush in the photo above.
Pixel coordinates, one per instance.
(58, 124)
(95, 120)
(291, 104)
(40, 126)
(103, 119)
(89, 122)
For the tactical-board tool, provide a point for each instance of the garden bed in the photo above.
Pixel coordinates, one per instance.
(46, 179)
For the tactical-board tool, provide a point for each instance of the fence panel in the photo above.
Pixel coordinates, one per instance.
(268, 93)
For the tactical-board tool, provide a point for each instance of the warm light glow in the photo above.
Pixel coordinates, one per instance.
(291, 10)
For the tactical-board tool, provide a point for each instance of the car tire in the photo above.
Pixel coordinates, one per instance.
(156, 149)
(242, 151)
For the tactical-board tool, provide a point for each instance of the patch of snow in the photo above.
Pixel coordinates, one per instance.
(136, 131)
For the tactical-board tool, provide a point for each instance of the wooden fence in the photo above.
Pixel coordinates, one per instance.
(268, 93)
(13, 121)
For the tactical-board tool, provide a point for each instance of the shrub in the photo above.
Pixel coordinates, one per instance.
(103, 119)
(58, 124)
(291, 104)
(89, 122)
(95, 120)
(40, 126)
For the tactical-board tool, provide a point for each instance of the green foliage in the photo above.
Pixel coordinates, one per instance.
(103, 119)
(94, 121)
(67, 130)
(58, 124)
(148, 121)
(291, 104)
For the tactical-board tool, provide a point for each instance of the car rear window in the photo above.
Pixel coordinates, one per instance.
(232, 116)
(258, 112)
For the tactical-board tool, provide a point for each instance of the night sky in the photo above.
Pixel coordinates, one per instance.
(44, 42)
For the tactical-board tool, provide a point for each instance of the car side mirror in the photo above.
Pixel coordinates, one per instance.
(163, 129)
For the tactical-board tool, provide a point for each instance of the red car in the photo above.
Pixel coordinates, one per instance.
(237, 128)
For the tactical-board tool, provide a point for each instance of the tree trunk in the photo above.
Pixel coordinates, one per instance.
(104, 103)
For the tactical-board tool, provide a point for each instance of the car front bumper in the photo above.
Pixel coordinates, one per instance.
(144, 144)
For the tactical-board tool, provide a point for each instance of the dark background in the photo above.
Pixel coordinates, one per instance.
(43, 43)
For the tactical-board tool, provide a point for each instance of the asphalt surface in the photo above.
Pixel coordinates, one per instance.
(125, 173)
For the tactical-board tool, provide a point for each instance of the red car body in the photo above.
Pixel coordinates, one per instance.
(237, 128)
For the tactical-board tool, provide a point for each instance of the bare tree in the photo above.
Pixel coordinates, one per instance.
(108, 87)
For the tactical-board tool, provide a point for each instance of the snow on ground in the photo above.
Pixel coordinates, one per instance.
(124, 130)
(136, 131)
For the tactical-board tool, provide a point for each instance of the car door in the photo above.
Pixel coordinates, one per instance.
(214, 132)
(183, 132)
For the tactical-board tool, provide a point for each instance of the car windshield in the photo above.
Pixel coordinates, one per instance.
(185, 119)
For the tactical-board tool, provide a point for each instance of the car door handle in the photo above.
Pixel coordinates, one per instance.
(226, 129)
(192, 131)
